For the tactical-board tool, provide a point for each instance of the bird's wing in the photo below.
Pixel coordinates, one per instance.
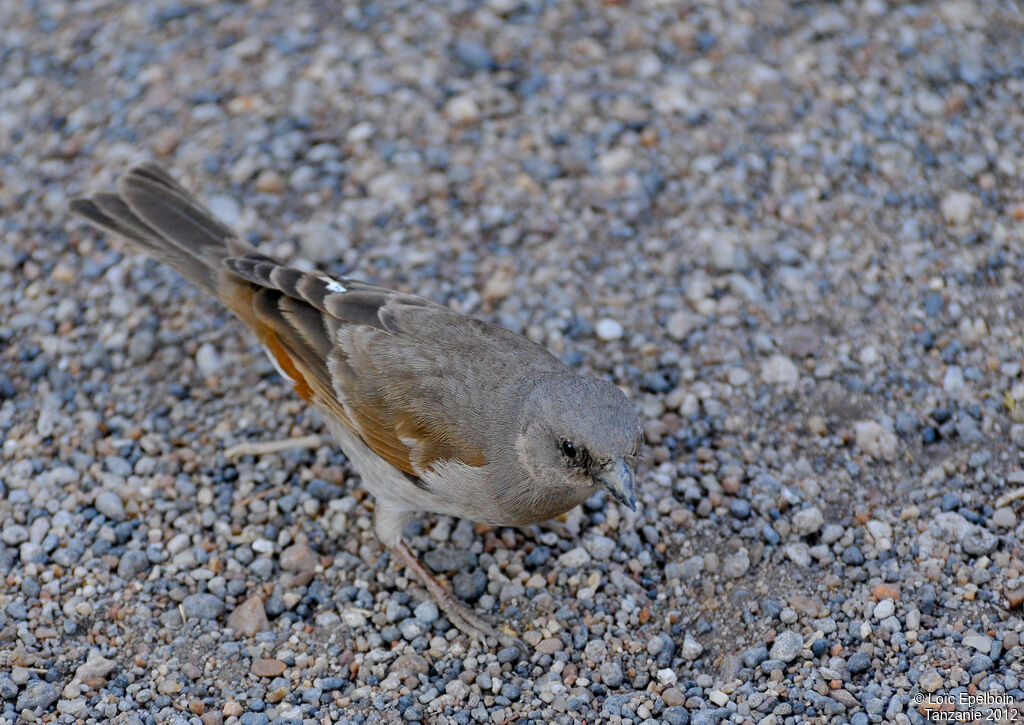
(408, 376)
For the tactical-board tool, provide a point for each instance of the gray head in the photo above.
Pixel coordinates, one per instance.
(580, 435)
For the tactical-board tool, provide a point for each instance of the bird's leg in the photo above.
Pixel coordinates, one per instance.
(263, 448)
(458, 613)
(389, 523)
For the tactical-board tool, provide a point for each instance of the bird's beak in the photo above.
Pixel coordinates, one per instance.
(617, 477)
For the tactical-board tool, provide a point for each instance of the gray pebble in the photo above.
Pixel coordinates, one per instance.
(37, 695)
(787, 646)
(426, 612)
(755, 655)
(110, 505)
(445, 560)
(14, 534)
(611, 675)
(202, 606)
(858, 662)
(474, 55)
(133, 562)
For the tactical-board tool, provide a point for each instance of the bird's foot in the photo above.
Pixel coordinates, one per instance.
(466, 620)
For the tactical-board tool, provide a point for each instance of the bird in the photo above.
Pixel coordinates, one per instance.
(435, 410)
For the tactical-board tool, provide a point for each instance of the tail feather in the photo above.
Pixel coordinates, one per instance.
(159, 215)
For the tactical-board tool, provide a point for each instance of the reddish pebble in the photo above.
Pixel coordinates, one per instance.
(264, 667)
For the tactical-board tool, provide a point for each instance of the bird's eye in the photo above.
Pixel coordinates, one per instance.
(569, 450)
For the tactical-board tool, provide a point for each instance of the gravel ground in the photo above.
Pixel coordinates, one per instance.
(794, 233)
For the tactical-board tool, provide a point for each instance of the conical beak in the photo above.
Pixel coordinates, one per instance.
(617, 477)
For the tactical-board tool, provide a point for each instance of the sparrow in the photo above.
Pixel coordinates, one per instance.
(437, 411)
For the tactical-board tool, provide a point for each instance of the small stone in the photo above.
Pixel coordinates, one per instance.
(133, 562)
(445, 560)
(409, 665)
(14, 534)
(225, 209)
(787, 646)
(737, 564)
(202, 606)
(673, 697)
(956, 207)
(110, 505)
(96, 666)
(1014, 597)
(474, 55)
(858, 662)
(608, 329)
(426, 611)
(875, 440)
(601, 547)
(462, 109)
(249, 617)
(809, 606)
(574, 558)
(680, 324)
(269, 182)
(168, 685)
(611, 675)
(37, 695)
(232, 709)
(550, 646)
(980, 642)
(469, 585)
(779, 370)
(267, 667)
(879, 535)
(885, 608)
(353, 618)
(299, 558)
(692, 649)
(808, 521)
(667, 676)
(930, 680)
(208, 361)
(979, 541)
(1004, 518)
(677, 715)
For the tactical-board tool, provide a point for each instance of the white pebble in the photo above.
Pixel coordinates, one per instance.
(608, 329)
(779, 370)
(956, 207)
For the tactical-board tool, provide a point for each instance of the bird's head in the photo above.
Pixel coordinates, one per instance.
(581, 435)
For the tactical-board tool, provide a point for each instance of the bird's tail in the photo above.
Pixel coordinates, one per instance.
(161, 217)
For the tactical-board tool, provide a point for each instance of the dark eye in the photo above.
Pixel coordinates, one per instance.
(569, 450)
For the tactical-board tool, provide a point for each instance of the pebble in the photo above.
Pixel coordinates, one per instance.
(133, 563)
(37, 696)
(779, 370)
(611, 675)
(267, 667)
(876, 441)
(298, 558)
(957, 206)
(787, 646)
(202, 606)
(680, 324)
(608, 329)
(691, 649)
(884, 609)
(249, 617)
(808, 521)
(110, 505)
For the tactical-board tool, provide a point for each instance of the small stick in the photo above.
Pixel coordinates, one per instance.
(268, 447)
